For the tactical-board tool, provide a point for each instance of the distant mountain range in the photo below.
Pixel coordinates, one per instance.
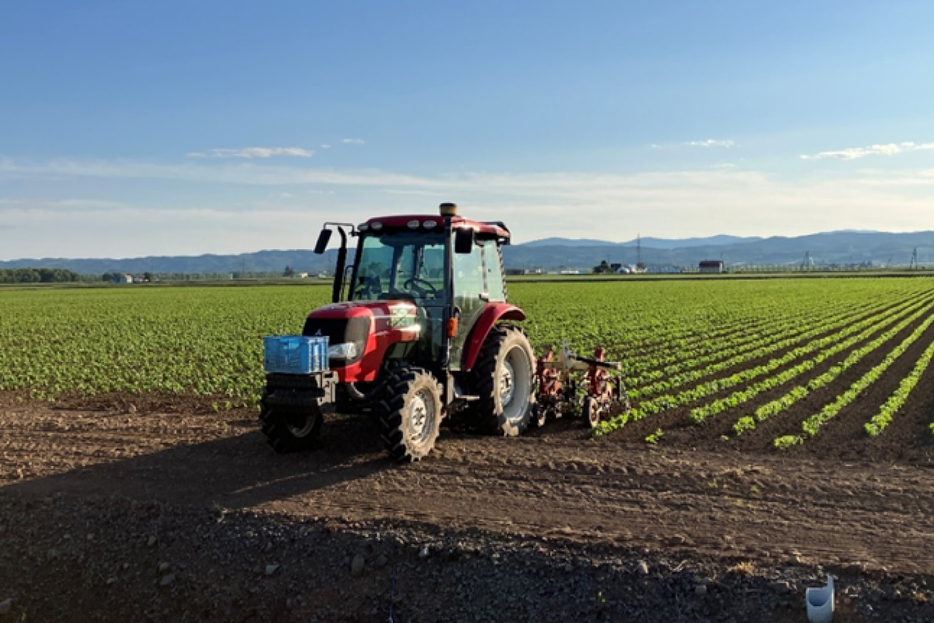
(831, 248)
(656, 243)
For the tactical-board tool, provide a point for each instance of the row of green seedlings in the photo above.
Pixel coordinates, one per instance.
(749, 422)
(759, 348)
(741, 333)
(699, 414)
(668, 401)
(660, 335)
(711, 387)
(811, 426)
(753, 320)
(883, 418)
(741, 341)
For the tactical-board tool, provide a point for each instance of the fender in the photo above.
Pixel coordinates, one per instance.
(493, 313)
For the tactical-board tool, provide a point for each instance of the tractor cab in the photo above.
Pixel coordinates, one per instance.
(448, 268)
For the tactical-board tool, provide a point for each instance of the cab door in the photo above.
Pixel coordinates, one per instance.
(470, 297)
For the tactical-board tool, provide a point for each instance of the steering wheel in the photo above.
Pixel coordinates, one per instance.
(413, 284)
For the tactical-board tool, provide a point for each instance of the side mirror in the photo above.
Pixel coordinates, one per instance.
(323, 238)
(463, 240)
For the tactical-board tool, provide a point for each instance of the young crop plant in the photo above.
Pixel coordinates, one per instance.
(655, 437)
(787, 441)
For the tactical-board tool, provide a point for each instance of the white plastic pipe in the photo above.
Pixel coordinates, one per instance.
(820, 602)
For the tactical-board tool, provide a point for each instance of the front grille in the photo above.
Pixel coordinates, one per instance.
(339, 331)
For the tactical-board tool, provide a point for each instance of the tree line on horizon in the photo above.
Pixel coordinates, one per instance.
(38, 275)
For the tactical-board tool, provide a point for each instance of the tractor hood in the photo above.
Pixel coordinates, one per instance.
(391, 313)
(360, 332)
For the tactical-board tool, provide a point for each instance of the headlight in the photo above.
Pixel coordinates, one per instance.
(347, 350)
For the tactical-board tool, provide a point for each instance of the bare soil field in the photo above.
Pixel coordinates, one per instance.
(134, 508)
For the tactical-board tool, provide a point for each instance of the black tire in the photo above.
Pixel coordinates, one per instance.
(410, 413)
(288, 428)
(504, 377)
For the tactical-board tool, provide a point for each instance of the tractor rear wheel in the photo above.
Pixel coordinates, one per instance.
(290, 428)
(410, 413)
(504, 381)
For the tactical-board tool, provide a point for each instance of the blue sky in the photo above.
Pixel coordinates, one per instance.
(180, 128)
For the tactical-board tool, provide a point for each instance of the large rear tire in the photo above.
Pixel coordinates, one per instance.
(410, 413)
(504, 381)
(289, 428)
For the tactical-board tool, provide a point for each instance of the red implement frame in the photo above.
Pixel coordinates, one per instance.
(557, 383)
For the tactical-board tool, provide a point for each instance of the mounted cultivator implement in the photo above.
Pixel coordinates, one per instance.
(419, 329)
(571, 384)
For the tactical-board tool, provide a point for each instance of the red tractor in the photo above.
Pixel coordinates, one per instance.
(417, 329)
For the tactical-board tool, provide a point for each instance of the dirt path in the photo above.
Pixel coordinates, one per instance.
(555, 484)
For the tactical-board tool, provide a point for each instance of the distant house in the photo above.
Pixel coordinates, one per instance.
(711, 266)
(121, 278)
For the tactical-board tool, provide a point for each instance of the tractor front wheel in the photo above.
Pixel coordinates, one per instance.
(290, 428)
(504, 379)
(410, 413)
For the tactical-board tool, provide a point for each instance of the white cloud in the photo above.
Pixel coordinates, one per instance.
(256, 152)
(854, 153)
(352, 141)
(325, 146)
(711, 142)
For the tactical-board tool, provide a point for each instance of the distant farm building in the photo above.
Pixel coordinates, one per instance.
(711, 266)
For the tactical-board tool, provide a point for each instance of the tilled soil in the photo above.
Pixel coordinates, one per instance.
(143, 509)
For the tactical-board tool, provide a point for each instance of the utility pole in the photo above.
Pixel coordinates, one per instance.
(639, 265)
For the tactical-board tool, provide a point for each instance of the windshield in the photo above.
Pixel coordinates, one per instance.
(402, 264)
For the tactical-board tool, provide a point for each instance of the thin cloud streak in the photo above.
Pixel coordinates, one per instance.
(855, 153)
(711, 142)
(255, 152)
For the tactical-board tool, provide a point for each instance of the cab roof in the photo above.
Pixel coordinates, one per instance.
(489, 230)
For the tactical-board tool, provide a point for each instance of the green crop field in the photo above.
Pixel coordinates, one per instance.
(735, 352)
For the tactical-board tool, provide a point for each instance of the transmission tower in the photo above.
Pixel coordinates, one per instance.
(807, 262)
(913, 265)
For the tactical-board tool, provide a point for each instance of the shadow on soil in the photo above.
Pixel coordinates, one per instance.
(238, 471)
